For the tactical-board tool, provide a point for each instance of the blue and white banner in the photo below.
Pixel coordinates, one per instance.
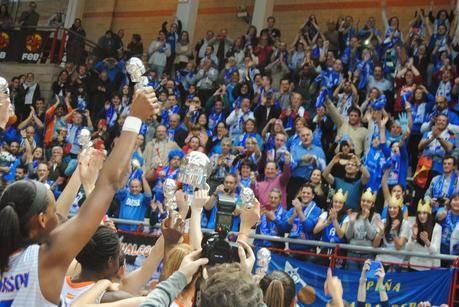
(403, 289)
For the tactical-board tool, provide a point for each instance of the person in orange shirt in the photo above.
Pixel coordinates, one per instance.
(55, 117)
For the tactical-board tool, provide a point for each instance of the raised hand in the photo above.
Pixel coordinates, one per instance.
(250, 216)
(172, 229)
(89, 164)
(246, 257)
(144, 104)
(200, 198)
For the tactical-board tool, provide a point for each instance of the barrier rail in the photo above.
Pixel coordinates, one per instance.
(353, 247)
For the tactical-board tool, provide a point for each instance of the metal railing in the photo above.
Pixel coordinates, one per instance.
(345, 246)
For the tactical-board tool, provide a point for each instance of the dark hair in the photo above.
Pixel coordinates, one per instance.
(308, 185)
(278, 289)
(428, 227)
(389, 220)
(448, 157)
(19, 202)
(103, 247)
(353, 109)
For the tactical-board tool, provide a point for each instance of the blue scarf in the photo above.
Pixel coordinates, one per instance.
(110, 116)
(297, 227)
(214, 119)
(437, 189)
(321, 98)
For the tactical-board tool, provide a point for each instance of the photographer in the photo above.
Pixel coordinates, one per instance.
(228, 188)
(443, 186)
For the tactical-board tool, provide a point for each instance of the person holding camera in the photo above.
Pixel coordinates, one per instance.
(443, 186)
(228, 188)
(350, 182)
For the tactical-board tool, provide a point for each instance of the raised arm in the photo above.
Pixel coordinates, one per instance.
(333, 112)
(68, 239)
(200, 198)
(327, 171)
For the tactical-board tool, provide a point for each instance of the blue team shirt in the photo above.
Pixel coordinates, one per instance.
(132, 207)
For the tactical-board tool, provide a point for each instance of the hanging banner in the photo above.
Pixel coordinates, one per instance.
(22, 46)
(403, 289)
(136, 247)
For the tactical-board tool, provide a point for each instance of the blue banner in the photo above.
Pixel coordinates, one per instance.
(403, 289)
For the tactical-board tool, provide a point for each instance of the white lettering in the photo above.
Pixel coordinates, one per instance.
(30, 56)
(3, 55)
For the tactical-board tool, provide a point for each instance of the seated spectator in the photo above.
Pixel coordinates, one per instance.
(425, 238)
(396, 232)
(301, 219)
(448, 220)
(363, 227)
(271, 220)
(443, 186)
(332, 224)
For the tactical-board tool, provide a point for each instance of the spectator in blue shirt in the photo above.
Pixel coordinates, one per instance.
(301, 219)
(134, 202)
(306, 157)
(271, 220)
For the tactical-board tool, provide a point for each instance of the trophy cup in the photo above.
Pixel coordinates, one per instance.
(194, 171)
(247, 197)
(169, 189)
(263, 260)
(135, 69)
(84, 139)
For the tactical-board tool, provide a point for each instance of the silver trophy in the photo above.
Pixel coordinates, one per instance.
(135, 69)
(5, 94)
(195, 169)
(263, 260)
(84, 139)
(247, 197)
(169, 189)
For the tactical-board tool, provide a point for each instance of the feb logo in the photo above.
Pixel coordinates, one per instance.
(4, 40)
(4, 43)
(33, 42)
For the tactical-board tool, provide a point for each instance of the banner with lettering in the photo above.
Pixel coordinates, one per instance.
(403, 289)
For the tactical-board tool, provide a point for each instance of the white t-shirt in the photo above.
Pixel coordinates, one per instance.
(405, 232)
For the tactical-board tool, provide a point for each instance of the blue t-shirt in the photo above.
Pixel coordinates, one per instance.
(132, 207)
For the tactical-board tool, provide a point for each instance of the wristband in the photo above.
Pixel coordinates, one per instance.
(132, 124)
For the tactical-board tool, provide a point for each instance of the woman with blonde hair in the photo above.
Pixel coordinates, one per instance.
(174, 260)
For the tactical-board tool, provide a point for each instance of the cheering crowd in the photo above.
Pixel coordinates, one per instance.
(343, 135)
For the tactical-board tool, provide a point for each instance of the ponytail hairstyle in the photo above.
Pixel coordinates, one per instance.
(278, 289)
(103, 247)
(19, 202)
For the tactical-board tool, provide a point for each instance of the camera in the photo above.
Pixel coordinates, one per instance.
(215, 247)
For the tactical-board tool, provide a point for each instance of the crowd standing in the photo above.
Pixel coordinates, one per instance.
(342, 134)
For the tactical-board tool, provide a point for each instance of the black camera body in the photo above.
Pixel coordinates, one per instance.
(215, 247)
